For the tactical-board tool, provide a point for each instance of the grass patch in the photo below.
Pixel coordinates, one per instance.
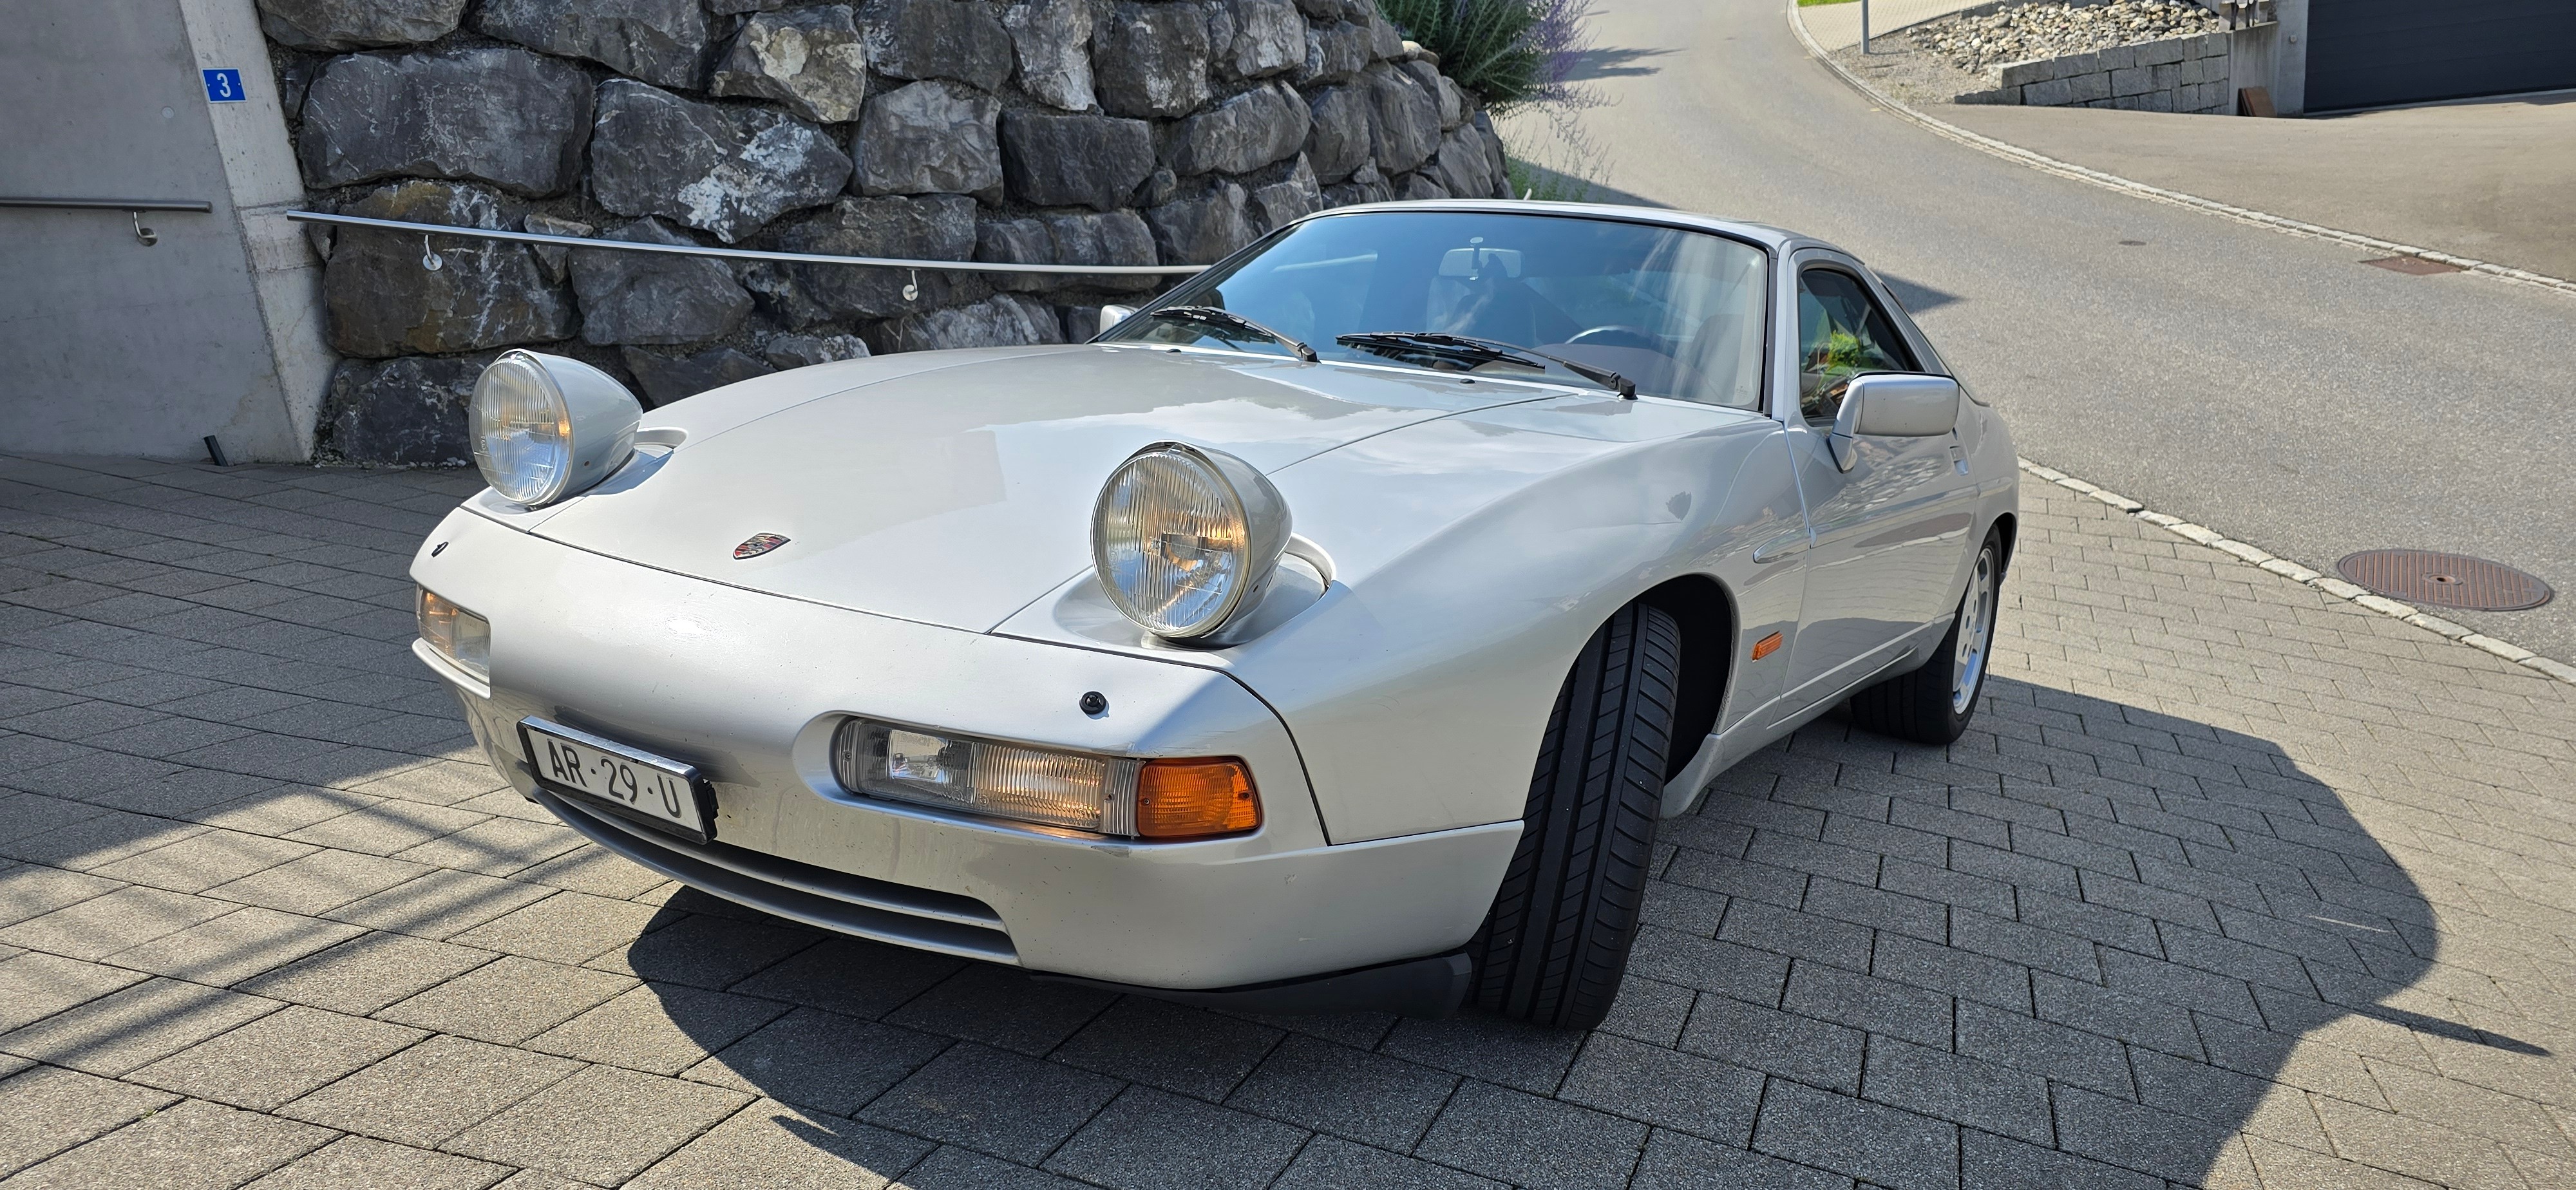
(1813, 3)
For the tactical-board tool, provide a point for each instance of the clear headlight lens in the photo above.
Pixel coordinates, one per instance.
(522, 430)
(1108, 795)
(457, 634)
(1184, 537)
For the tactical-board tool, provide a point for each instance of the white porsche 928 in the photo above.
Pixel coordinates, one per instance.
(1328, 634)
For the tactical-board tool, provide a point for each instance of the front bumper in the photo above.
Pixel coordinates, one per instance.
(750, 686)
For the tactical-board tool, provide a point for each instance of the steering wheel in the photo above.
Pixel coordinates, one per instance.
(1619, 336)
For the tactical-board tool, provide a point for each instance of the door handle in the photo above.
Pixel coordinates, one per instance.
(1773, 551)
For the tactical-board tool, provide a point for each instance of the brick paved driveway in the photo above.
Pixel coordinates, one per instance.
(2232, 883)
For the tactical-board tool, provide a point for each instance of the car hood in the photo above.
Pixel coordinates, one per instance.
(957, 492)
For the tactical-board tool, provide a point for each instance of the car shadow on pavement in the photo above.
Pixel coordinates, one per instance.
(2088, 940)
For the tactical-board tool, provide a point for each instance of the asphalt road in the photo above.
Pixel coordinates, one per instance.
(2267, 385)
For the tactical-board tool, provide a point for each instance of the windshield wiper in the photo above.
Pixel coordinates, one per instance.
(1491, 349)
(1224, 319)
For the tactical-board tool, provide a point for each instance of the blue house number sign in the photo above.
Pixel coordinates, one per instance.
(223, 86)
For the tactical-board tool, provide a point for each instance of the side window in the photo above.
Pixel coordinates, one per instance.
(1841, 334)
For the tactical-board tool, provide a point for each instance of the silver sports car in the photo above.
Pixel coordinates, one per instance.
(1330, 633)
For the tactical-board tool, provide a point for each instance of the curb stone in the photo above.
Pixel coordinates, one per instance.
(2348, 592)
(2110, 181)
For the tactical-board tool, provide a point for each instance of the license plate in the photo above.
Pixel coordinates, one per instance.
(660, 793)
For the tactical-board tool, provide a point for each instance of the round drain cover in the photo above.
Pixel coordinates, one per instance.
(2445, 580)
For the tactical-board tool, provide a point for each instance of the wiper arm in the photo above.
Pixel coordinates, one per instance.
(1218, 316)
(1491, 349)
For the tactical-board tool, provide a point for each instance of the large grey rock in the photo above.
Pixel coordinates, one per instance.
(1002, 320)
(811, 59)
(651, 298)
(1322, 10)
(1422, 186)
(1151, 59)
(805, 351)
(937, 39)
(1405, 123)
(931, 137)
(666, 378)
(775, 293)
(1242, 134)
(1117, 238)
(555, 259)
(1334, 53)
(1461, 165)
(1269, 37)
(658, 41)
(1367, 185)
(1203, 228)
(382, 301)
(1340, 140)
(351, 24)
(409, 411)
(931, 227)
(1052, 39)
(491, 114)
(722, 168)
(1385, 40)
(1277, 203)
(1495, 163)
(1064, 161)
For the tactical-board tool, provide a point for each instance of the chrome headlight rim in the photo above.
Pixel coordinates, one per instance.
(592, 431)
(1256, 505)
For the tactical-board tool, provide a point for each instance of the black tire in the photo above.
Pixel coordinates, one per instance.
(1553, 946)
(1925, 706)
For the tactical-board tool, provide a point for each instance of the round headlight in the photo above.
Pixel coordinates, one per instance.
(546, 427)
(1183, 537)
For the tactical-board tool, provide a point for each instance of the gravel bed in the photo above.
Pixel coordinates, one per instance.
(1979, 43)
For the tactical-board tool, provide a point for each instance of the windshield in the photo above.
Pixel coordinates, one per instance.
(1675, 313)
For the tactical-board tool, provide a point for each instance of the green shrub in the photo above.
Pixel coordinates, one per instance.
(1505, 52)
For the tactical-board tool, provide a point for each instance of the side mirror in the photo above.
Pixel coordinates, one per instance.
(1113, 315)
(1892, 405)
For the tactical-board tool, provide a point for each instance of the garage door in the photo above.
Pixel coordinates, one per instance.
(2367, 52)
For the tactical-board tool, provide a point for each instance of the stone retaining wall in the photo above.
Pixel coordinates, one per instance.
(1042, 131)
(2177, 74)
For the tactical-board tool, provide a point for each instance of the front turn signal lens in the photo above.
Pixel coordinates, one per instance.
(456, 634)
(1182, 799)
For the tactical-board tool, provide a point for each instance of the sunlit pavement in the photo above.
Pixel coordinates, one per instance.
(2232, 884)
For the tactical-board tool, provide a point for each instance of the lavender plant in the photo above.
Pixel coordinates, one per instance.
(1509, 53)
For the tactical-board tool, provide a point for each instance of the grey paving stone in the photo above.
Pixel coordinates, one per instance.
(234, 947)
(851, 975)
(508, 1000)
(953, 1168)
(496, 846)
(1328, 1163)
(1186, 1050)
(1888, 911)
(1961, 1090)
(660, 1029)
(48, 1109)
(1798, 935)
(34, 986)
(1708, 965)
(602, 1125)
(1650, 1012)
(359, 1163)
(1989, 1162)
(283, 809)
(104, 925)
(1960, 889)
(1495, 1049)
(318, 883)
(1347, 1092)
(1683, 908)
(439, 903)
(196, 1144)
(771, 1144)
(277, 1058)
(2134, 1019)
(1506, 1134)
(594, 870)
(2134, 1136)
(367, 973)
(1876, 1144)
(567, 927)
(201, 861)
(1665, 1088)
(1869, 1003)
(1946, 969)
(820, 1059)
(385, 827)
(2039, 1047)
(432, 1091)
(32, 890)
(1154, 1140)
(1002, 1006)
(702, 950)
(1675, 1161)
(993, 1101)
(122, 1030)
(1782, 1043)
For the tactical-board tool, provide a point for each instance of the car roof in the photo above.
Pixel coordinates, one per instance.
(1774, 239)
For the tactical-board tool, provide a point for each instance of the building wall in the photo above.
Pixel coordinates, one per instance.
(113, 347)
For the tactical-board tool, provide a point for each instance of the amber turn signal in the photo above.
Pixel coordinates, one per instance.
(1183, 799)
(1766, 646)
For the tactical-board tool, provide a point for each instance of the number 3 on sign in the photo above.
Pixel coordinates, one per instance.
(223, 86)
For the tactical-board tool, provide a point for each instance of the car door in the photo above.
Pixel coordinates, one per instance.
(1886, 534)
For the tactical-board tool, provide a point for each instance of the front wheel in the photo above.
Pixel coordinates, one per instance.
(1932, 705)
(1556, 940)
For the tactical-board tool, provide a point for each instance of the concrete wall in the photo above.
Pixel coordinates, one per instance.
(2178, 74)
(113, 347)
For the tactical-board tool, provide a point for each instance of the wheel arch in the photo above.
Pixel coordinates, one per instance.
(1701, 605)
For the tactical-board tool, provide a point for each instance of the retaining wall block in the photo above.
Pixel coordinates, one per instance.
(2050, 93)
(2089, 87)
(2165, 77)
(2022, 74)
(2005, 96)
(2157, 53)
(2136, 80)
(2118, 57)
(2160, 101)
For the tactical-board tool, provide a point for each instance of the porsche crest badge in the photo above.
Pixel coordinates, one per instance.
(758, 544)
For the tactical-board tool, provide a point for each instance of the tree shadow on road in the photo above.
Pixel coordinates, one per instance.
(1613, 62)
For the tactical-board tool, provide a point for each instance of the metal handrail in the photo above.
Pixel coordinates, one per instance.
(954, 266)
(198, 205)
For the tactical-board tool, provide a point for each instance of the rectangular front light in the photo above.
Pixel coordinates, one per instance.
(457, 634)
(1099, 794)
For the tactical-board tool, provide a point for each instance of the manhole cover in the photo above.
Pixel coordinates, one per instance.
(2445, 580)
